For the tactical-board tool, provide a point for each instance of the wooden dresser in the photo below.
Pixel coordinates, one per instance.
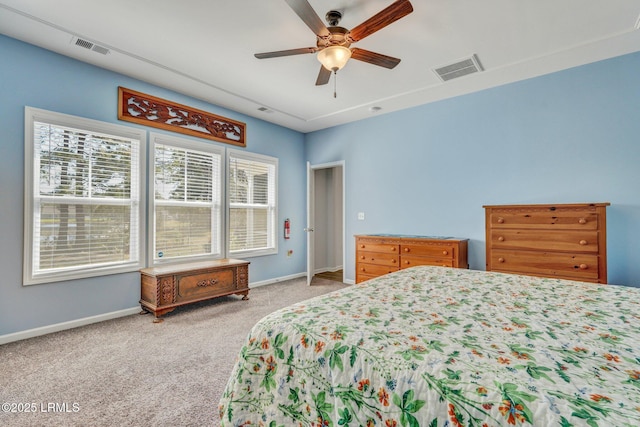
(378, 254)
(167, 287)
(567, 241)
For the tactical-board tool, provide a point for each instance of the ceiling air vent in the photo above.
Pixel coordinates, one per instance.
(100, 49)
(461, 68)
(89, 45)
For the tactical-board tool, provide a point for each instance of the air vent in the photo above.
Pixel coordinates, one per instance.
(265, 110)
(461, 68)
(100, 49)
(83, 43)
(89, 45)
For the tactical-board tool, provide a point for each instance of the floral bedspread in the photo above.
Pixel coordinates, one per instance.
(434, 346)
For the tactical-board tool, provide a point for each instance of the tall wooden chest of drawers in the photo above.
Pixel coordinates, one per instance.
(379, 254)
(566, 241)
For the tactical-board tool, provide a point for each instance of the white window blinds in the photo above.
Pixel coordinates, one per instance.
(252, 203)
(187, 199)
(84, 198)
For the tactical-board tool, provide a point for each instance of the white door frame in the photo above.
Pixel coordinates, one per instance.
(311, 214)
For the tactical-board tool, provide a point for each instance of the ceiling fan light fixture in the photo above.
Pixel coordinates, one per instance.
(334, 58)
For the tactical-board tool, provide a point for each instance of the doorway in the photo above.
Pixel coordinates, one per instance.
(325, 201)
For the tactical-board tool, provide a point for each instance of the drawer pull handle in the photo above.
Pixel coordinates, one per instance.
(582, 221)
(583, 266)
(407, 249)
(500, 239)
(583, 242)
(393, 261)
(207, 282)
(500, 220)
(393, 249)
(500, 259)
(445, 253)
(361, 246)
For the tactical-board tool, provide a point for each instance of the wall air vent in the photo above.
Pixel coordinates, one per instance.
(461, 68)
(89, 45)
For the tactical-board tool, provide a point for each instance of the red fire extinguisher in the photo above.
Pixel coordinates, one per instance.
(287, 228)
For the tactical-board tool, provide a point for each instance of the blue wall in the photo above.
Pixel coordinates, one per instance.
(567, 137)
(30, 76)
(572, 136)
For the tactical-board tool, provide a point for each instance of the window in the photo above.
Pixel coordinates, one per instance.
(252, 183)
(186, 202)
(82, 206)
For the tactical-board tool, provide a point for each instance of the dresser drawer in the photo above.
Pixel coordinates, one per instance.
(197, 286)
(380, 254)
(545, 219)
(548, 264)
(377, 247)
(407, 261)
(560, 240)
(388, 259)
(364, 277)
(439, 251)
(375, 269)
(566, 241)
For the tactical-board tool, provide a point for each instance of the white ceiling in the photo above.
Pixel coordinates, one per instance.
(204, 48)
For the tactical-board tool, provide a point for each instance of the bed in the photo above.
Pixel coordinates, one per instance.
(436, 346)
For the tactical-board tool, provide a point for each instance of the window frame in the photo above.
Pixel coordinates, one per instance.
(272, 234)
(187, 144)
(32, 175)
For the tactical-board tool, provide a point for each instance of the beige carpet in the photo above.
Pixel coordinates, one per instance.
(132, 372)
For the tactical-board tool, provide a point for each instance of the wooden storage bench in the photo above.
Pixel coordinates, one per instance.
(167, 287)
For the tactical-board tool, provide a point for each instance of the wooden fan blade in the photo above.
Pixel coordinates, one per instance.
(374, 58)
(288, 52)
(323, 76)
(309, 16)
(381, 19)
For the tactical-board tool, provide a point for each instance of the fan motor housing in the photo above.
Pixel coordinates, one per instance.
(337, 37)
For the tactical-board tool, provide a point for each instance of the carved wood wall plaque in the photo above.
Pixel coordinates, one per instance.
(148, 110)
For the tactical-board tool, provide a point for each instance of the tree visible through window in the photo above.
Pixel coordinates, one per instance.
(187, 197)
(84, 205)
(252, 203)
(85, 214)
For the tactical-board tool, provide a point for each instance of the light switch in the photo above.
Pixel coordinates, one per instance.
(361, 216)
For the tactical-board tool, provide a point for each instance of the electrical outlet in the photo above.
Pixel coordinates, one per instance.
(290, 252)
(360, 216)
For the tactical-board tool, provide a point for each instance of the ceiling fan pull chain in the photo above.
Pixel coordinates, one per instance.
(335, 83)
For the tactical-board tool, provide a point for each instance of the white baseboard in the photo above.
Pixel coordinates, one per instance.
(30, 333)
(277, 280)
(327, 269)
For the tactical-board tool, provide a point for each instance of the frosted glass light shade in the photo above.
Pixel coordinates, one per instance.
(334, 57)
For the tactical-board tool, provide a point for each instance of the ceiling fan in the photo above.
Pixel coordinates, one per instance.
(333, 42)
